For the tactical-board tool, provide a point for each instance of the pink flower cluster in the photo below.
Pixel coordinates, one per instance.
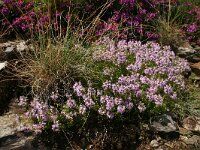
(128, 19)
(123, 19)
(143, 74)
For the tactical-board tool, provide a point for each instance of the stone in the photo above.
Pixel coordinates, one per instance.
(171, 145)
(184, 131)
(21, 46)
(154, 143)
(194, 140)
(10, 137)
(3, 65)
(7, 125)
(185, 50)
(164, 123)
(9, 49)
(159, 148)
(196, 68)
(192, 123)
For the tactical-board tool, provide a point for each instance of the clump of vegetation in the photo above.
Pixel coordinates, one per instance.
(135, 78)
(169, 33)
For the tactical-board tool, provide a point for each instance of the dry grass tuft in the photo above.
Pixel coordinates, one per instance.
(56, 63)
(169, 33)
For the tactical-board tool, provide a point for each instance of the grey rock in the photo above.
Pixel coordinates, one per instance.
(185, 51)
(164, 123)
(3, 65)
(10, 137)
(17, 45)
(7, 125)
(9, 49)
(188, 52)
(21, 46)
(154, 143)
(194, 140)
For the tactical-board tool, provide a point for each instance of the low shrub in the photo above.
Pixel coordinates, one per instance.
(134, 78)
(132, 19)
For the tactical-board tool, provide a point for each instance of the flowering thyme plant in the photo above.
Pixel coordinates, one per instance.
(136, 77)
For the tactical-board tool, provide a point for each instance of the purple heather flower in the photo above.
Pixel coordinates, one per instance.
(17, 118)
(88, 102)
(7, 1)
(82, 109)
(4, 11)
(107, 72)
(129, 105)
(128, 3)
(101, 111)
(107, 85)
(173, 96)
(136, 23)
(109, 115)
(168, 90)
(71, 103)
(78, 88)
(118, 101)
(141, 107)
(121, 57)
(22, 101)
(54, 95)
(140, 30)
(138, 93)
(121, 109)
(192, 28)
(55, 126)
(110, 104)
(150, 16)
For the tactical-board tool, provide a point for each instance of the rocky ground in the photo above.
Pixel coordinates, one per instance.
(164, 132)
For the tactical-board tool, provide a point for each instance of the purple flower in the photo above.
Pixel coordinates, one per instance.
(71, 103)
(118, 101)
(82, 109)
(129, 105)
(55, 126)
(192, 28)
(54, 95)
(88, 102)
(109, 115)
(22, 101)
(141, 107)
(110, 104)
(78, 88)
(101, 111)
(107, 85)
(121, 109)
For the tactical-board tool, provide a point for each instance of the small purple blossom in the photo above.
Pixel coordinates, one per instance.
(141, 107)
(22, 101)
(121, 109)
(78, 88)
(71, 103)
(82, 109)
(55, 126)
(192, 28)
(54, 96)
(109, 114)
